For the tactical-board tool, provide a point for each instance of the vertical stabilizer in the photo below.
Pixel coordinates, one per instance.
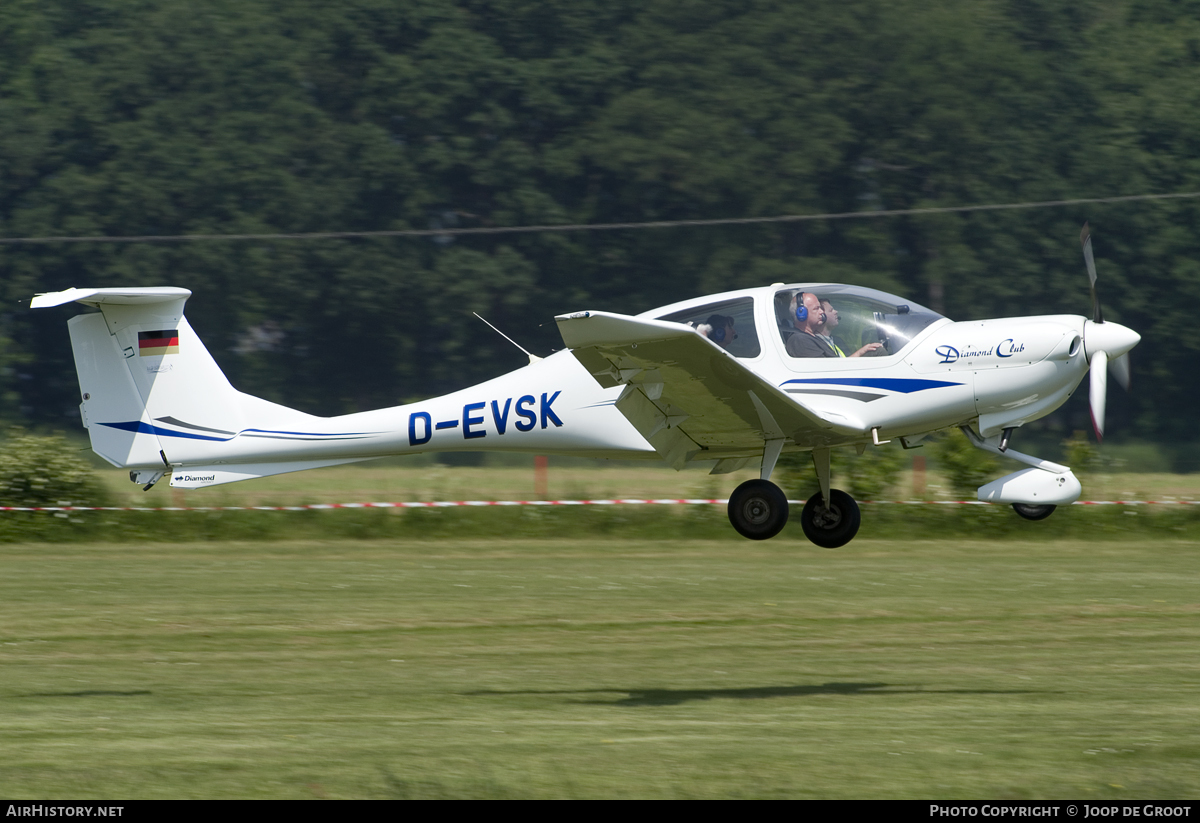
(110, 395)
(146, 379)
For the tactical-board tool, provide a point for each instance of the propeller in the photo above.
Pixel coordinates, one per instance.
(1098, 391)
(1119, 366)
(1107, 345)
(1085, 237)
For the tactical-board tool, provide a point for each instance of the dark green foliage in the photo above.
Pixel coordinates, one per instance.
(965, 467)
(38, 471)
(128, 117)
(872, 475)
(1082, 455)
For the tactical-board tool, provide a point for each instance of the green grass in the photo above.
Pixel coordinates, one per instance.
(621, 522)
(635, 668)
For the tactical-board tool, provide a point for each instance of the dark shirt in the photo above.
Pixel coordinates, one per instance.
(803, 344)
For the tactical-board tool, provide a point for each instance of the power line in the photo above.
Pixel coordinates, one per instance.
(658, 224)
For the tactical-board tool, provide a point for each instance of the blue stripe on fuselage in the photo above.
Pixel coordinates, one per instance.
(903, 385)
(138, 427)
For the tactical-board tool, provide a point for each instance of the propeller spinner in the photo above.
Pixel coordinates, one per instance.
(1106, 344)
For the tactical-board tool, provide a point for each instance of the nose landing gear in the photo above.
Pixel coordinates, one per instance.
(1032, 512)
(1034, 492)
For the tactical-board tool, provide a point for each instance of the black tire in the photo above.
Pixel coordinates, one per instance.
(1032, 512)
(758, 509)
(833, 527)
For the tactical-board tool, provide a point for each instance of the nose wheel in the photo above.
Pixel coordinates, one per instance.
(832, 526)
(1033, 512)
(758, 509)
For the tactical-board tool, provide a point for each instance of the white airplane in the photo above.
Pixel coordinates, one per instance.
(706, 380)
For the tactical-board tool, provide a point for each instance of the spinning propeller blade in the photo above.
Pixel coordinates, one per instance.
(1085, 237)
(1097, 392)
(1106, 344)
(1120, 370)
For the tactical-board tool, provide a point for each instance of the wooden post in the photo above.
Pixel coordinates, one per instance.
(918, 476)
(540, 464)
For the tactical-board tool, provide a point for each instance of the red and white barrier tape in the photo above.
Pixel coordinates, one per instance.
(453, 503)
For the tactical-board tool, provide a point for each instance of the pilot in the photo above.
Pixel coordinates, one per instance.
(808, 317)
(825, 332)
(719, 329)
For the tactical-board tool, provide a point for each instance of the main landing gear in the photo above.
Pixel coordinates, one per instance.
(758, 509)
(830, 518)
(832, 525)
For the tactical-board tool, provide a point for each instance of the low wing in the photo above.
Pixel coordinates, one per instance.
(687, 396)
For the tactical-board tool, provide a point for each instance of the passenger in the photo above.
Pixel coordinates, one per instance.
(831, 323)
(719, 329)
(807, 316)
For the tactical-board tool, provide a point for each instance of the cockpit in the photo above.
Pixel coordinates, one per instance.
(857, 317)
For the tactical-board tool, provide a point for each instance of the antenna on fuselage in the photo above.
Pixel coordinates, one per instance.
(533, 358)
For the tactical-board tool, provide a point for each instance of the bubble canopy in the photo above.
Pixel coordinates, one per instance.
(858, 316)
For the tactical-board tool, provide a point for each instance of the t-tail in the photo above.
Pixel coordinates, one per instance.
(155, 402)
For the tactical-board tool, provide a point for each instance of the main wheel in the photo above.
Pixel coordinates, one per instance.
(832, 527)
(758, 509)
(1032, 512)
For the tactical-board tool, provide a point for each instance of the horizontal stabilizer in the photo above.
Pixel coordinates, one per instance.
(200, 477)
(111, 297)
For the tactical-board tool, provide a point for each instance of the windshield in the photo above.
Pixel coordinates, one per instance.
(856, 318)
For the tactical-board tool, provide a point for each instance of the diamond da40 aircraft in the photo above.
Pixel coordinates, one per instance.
(710, 379)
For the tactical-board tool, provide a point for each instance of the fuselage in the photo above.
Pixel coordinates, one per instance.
(934, 373)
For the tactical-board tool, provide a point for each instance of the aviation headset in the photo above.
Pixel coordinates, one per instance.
(718, 322)
(801, 309)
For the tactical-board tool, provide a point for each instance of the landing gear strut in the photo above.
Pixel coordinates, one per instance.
(830, 518)
(758, 509)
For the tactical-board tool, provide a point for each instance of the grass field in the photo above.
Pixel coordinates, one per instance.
(544, 668)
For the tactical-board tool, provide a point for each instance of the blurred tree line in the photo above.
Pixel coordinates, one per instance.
(140, 117)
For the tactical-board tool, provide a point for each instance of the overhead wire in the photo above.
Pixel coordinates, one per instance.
(578, 227)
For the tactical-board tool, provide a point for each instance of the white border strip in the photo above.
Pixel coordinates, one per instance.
(617, 502)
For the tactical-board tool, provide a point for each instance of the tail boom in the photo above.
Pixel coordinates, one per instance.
(156, 402)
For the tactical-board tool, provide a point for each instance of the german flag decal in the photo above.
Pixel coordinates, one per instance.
(158, 343)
